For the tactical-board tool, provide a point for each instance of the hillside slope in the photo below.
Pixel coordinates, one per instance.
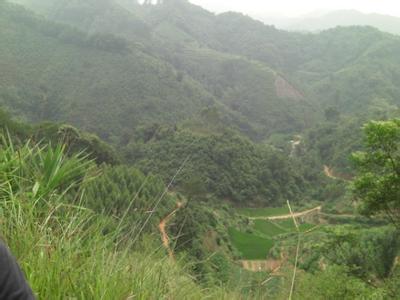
(97, 82)
(182, 59)
(182, 35)
(324, 67)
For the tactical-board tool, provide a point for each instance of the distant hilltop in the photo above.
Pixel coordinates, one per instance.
(321, 21)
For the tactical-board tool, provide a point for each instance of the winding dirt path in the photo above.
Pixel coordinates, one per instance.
(289, 216)
(162, 227)
(329, 172)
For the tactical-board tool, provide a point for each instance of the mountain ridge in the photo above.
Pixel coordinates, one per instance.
(332, 19)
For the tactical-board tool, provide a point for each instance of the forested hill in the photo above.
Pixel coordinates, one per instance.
(137, 81)
(98, 82)
(164, 62)
(112, 66)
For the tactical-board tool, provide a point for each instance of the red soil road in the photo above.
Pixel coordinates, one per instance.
(162, 227)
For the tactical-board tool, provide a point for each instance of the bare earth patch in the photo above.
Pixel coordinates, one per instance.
(270, 265)
(285, 90)
(162, 227)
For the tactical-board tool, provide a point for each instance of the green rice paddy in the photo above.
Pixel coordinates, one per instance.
(258, 243)
(250, 245)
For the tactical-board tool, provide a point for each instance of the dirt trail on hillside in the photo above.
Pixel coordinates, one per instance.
(295, 144)
(329, 172)
(162, 227)
(289, 216)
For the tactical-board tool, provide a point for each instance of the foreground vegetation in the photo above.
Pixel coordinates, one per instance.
(215, 121)
(97, 225)
(111, 249)
(97, 256)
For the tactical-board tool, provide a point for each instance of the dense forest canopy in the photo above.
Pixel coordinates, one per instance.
(270, 80)
(224, 165)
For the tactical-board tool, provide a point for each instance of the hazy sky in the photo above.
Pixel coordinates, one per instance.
(299, 7)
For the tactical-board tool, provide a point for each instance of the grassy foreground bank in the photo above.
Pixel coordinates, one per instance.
(68, 251)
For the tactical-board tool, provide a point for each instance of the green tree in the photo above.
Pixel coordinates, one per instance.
(377, 185)
(334, 283)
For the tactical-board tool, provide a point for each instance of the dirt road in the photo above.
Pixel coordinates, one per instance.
(162, 227)
(329, 172)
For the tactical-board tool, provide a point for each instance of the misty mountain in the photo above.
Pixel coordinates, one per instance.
(333, 19)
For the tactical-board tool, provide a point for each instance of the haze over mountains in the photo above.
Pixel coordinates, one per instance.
(319, 21)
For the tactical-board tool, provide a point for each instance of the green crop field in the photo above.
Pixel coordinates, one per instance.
(275, 228)
(268, 228)
(264, 212)
(251, 246)
(257, 244)
(289, 225)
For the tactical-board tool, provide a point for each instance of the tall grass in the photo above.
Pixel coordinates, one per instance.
(68, 251)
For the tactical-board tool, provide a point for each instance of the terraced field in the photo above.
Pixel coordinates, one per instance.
(269, 228)
(262, 234)
(251, 246)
